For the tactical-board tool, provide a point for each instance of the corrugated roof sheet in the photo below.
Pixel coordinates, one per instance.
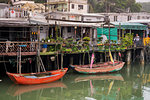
(132, 26)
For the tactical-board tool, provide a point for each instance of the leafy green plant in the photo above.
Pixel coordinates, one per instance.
(86, 39)
(74, 48)
(99, 40)
(59, 39)
(53, 40)
(47, 38)
(51, 48)
(127, 41)
(43, 39)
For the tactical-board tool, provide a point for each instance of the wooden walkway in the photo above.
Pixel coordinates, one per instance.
(15, 54)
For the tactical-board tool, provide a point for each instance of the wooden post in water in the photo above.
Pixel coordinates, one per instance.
(20, 61)
(105, 56)
(62, 60)
(71, 60)
(142, 56)
(128, 71)
(101, 57)
(80, 59)
(128, 57)
(83, 58)
(115, 56)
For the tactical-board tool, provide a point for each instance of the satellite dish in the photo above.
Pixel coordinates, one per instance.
(104, 38)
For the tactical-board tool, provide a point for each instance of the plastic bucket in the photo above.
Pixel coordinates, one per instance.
(44, 45)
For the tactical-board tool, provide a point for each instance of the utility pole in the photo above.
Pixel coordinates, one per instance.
(68, 5)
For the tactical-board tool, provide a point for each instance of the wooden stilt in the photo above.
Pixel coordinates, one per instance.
(142, 56)
(101, 57)
(115, 56)
(71, 60)
(20, 61)
(62, 60)
(79, 59)
(83, 58)
(57, 61)
(128, 57)
(105, 56)
(128, 70)
(89, 57)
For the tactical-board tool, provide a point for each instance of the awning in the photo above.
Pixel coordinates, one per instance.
(79, 24)
(130, 26)
(13, 22)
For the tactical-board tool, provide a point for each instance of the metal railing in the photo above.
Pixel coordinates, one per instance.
(8, 47)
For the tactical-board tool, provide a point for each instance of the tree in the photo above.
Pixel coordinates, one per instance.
(114, 5)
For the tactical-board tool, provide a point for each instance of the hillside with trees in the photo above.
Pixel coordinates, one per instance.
(146, 6)
(98, 6)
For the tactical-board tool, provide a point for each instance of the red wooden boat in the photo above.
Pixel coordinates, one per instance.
(37, 78)
(99, 68)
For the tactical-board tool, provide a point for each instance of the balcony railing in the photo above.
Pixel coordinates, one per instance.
(9, 47)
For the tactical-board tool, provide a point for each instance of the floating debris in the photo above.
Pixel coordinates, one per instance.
(89, 98)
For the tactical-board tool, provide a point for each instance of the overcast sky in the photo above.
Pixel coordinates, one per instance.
(143, 0)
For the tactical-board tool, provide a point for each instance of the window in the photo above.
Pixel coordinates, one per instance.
(80, 7)
(25, 13)
(19, 15)
(138, 17)
(115, 18)
(129, 18)
(63, 18)
(72, 6)
(69, 29)
(16, 15)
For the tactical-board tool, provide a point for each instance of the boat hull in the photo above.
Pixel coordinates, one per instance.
(26, 79)
(99, 68)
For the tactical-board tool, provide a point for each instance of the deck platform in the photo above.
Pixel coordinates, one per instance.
(15, 54)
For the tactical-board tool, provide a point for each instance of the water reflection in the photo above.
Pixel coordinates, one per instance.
(99, 77)
(99, 87)
(15, 90)
(131, 83)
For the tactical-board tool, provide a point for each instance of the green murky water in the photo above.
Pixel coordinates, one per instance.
(131, 83)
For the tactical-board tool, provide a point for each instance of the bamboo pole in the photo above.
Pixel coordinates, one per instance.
(83, 58)
(62, 60)
(20, 61)
(89, 56)
(17, 62)
(57, 60)
(38, 51)
(79, 59)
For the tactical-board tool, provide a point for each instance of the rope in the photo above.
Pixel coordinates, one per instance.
(4, 64)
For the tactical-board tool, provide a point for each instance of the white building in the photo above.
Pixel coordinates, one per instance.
(20, 3)
(76, 6)
(29, 5)
(68, 16)
(124, 17)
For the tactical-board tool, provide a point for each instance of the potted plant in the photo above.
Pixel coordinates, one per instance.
(43, 40)
(47, 39)
(44, 48)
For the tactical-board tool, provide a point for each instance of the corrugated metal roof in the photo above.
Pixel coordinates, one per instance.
(140, 21)
(132, 26)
